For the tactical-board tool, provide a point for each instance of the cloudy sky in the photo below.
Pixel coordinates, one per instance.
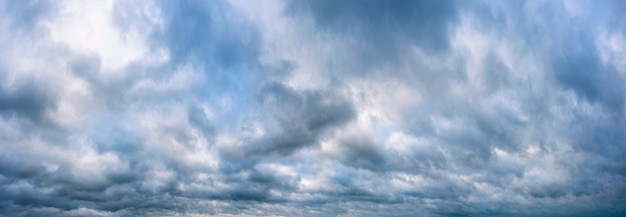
(312, 108)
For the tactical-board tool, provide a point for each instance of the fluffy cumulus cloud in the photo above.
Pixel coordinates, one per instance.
(312, 108)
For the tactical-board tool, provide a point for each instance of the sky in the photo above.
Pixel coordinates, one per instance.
(312, 108)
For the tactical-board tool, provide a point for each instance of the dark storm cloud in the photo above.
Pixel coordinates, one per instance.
(201, 32)
(376, 33)
(580, 69)
(382, 24)
(25, 99)
(301, 116)
(361, 153)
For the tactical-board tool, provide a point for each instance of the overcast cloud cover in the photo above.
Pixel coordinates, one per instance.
(312, 108)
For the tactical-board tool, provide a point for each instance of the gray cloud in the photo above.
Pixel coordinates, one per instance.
(312, 108)
(385, 26)
(27, 14)
(302, 117)
(25, 99)
(196, 30)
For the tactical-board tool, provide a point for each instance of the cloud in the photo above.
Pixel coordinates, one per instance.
(303, 117)
(24, 99)
(26, 15)
(312, 108)
(382, 24)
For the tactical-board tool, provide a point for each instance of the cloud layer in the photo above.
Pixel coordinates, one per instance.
(312, 108)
